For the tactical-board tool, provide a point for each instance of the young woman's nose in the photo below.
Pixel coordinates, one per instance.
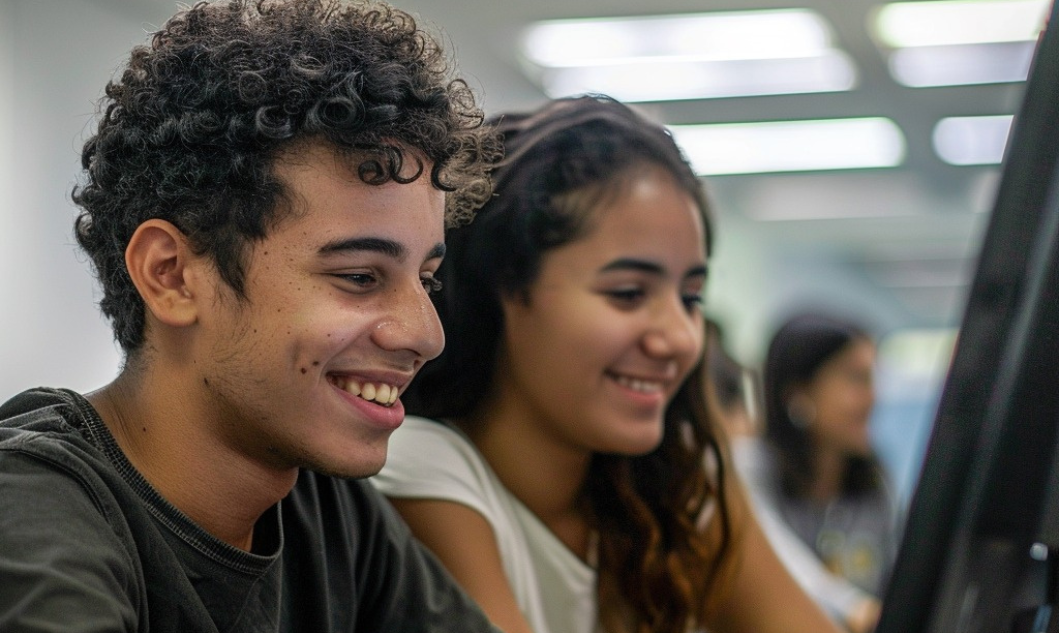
(675, 330)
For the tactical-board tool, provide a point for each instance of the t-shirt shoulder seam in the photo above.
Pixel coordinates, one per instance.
(25, 450)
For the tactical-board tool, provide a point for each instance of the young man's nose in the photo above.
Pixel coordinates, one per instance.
(412, 324)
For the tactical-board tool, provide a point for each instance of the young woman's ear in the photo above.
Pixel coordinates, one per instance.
(159, 259)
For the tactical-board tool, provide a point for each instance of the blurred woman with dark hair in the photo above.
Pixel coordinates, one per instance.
(729, 381)
(816, 473)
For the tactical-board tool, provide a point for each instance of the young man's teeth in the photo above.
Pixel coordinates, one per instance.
(636, 384)
(352, 386)
(382, 394)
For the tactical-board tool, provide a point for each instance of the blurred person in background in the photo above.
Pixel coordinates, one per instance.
(728, 378)
(818, 489)
(577, 479)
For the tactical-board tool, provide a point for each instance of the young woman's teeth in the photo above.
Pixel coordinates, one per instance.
(643, 386)
(382, 394)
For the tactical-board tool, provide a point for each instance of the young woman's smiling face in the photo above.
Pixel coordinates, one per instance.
(600, 343)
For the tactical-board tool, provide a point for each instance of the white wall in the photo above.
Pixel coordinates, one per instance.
(55, 58)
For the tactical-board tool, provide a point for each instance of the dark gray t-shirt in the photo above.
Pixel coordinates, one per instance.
(87, 544)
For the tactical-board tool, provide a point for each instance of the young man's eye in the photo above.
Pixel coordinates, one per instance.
(432, 284)
(361, 280)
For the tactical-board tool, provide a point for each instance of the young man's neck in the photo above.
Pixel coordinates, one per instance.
(162, 427)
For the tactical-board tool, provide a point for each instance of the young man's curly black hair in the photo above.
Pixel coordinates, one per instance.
(191, 130)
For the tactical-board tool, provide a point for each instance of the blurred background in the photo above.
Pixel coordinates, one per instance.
(851, 149)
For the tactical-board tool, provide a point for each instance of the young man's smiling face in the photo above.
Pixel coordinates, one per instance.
(306, 370)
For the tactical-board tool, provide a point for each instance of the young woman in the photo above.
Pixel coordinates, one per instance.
(816, 475)
(567, 469)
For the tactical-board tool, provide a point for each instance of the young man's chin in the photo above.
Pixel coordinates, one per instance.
(368, 462)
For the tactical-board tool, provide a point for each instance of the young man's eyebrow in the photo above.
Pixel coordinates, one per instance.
(642, 265)
(374, 244)
(377, 245)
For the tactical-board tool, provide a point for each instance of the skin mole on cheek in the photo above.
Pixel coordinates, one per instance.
(316, 363)
(304, 370)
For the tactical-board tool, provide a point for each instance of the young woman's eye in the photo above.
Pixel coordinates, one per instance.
(692, 300)
(625, 295)
(432, 284)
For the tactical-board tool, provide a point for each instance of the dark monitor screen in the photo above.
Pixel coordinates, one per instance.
(988, 491)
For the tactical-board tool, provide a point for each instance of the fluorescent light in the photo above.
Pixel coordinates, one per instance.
(961, 65)
(690, 56)
(669, 80)
(703, 37)
(953, 22)
(959, 42)
(782, 146)
(972, 140)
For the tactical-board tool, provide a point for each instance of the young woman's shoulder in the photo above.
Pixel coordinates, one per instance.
(432, 459)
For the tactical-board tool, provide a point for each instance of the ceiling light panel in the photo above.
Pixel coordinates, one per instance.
(965, 64)
(954, 22)
(958, 42)
(688, 56)
(785, 146)
(703, 37)
(655, 80)
(972, 140)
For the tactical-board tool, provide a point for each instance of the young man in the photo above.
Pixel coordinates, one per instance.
(264, 204)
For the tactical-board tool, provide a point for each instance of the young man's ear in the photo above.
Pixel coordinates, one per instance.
(159, 261)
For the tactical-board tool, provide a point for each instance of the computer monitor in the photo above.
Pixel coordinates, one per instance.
(988, 490)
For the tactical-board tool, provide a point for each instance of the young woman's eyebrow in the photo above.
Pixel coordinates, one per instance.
(642, 265)
(628, 263)
(697, 271)
(378, 245)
